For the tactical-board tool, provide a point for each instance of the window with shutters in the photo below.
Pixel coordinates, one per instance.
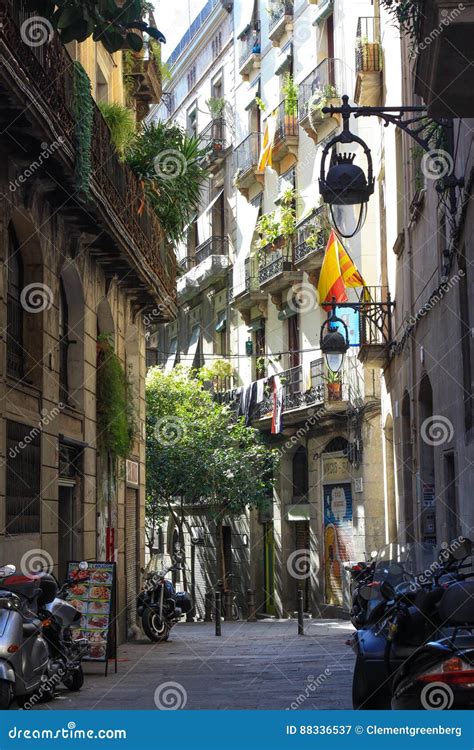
(23, 503)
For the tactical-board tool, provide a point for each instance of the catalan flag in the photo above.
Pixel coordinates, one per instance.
(265, 158)
(338, 272)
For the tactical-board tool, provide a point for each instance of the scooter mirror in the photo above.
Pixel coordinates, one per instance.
(373, 554)
(460, 549)
(84, 565)
(369, 593)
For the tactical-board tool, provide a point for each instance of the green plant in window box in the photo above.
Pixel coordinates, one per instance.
(322, 97)
(121, 123)
(334, 385)
(216, 106)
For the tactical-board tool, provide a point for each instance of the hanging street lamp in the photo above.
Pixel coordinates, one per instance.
(334, 344)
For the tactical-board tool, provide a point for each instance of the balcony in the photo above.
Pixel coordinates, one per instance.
(319, 90)
(311, 241)
(332, 397)
(276, 270)
(214, 138)
(209, 264)
(280, 21)
(250, 49)
(246, 157)
(36, 93)
(376, 328)
(143, 71)
(286, 135)
(368, 63)
(445, 56)
(247, 293)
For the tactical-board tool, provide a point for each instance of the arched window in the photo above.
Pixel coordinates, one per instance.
(63, 344)
(15, 352)
(300, 475)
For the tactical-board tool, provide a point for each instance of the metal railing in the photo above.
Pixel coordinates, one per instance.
(322, 81)
(215, 136)
(375, 318)
(215, 245)
(367, 53)
(276, 262)
(310, 235)
(287, 124)
(48, 69)
(250, 44)
(277, 10)
(247, 153)
(294, 394)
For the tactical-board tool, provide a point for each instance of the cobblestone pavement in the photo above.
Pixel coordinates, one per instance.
(263, 665)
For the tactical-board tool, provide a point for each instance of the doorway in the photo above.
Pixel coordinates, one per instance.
(132, 560)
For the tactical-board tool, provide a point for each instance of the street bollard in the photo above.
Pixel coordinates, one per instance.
(217, 612)
(252, 615)
(300, 613)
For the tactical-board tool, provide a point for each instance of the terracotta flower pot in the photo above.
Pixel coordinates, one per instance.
(334, 391)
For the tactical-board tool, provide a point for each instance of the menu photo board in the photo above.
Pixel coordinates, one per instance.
(93, 594)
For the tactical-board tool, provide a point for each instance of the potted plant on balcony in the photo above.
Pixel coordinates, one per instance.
(288, 219)
(216, 106)
(269, 229)
(368, 55)
(323, 96)
(334, 385)
(290, 92)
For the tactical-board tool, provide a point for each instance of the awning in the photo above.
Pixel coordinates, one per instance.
(288, 311)
(256, 325)
(221, 322)
(246, 11)
(204, 221)
(193, 346)
(248, 231)
(284, 60)
(171, 361)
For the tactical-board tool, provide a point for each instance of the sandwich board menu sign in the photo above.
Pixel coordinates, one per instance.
(93, 594)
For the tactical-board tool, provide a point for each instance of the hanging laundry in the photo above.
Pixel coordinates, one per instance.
(260, 390)
(277, 417)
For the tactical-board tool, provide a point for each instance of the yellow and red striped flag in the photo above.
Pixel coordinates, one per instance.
(265, 158)
(337, 272)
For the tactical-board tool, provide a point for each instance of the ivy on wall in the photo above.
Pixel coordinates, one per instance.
(83, 112)
(115, 414)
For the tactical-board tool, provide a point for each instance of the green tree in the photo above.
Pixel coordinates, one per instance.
(113, 23)
(200, 455)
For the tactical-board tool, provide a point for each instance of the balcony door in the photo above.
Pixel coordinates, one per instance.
(294, 340)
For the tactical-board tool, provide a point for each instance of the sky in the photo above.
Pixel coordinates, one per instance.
(173, 18)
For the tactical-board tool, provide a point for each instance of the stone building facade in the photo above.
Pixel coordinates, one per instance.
(75, 266)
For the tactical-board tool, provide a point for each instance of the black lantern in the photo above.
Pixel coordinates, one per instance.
(345, 184)
(333, 344)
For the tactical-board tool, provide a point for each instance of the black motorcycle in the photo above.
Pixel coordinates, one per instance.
(160, 606)
(413, 625)
(361, 573)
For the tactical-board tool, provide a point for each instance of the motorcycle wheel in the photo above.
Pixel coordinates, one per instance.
(5, 695)
(362, 697)
(155, 629)
(75, 680)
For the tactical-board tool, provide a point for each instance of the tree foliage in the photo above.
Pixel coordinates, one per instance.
(113, 23)
(199, 453)
(169, 162)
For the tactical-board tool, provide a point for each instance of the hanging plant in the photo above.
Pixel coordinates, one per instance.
(83, 112)
(121, 122)
(290, 92)
(115, 415)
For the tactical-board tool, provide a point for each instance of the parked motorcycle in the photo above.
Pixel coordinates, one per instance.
(361, 573)
(160, 606)
(417, 629)
(66, 652)
(25, 665)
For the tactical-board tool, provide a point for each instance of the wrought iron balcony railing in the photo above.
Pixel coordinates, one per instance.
(275, 263)
(287, 122)
(215, 137)
(250, 44)
(321, 82)
(277, 10)
(247, 153)
(375, 319)
(116, 201)
(215, 245)
(368, 56)
(310, 235)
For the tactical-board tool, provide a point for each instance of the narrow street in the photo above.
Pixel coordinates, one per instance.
(263, 665)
